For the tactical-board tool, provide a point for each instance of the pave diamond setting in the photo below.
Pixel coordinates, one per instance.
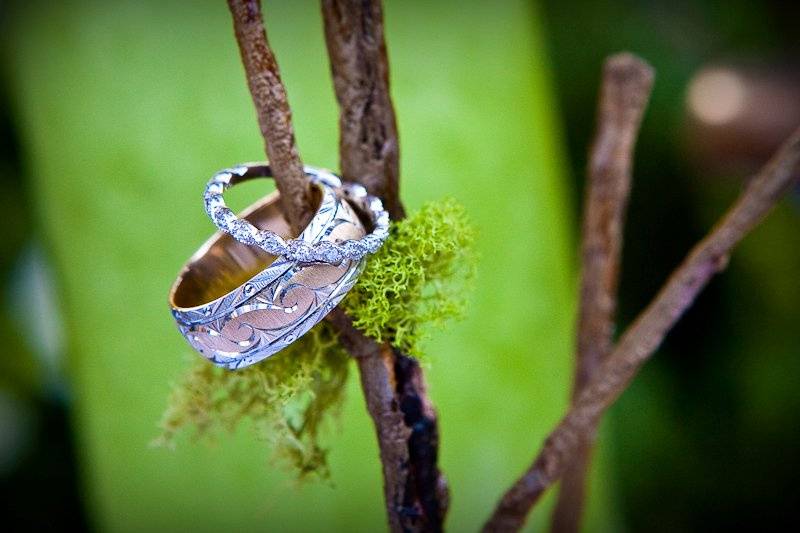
(297, 249)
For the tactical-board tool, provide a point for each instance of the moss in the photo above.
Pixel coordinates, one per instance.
(416, 279)
(287, 398)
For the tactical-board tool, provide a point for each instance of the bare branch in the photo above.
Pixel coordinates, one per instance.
(368, 146)
(272, 107)
(376, 367)
(627, 82)
(415, 490)
(647, 332)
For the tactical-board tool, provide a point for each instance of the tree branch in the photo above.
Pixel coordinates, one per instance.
(627, 82)
(272, 108)
(368, 146)
(415, 491)
(394, 388)
(641, 339)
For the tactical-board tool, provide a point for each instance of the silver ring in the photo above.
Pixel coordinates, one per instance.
(238, 304)
(331, 252)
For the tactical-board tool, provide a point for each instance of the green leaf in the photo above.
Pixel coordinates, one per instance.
(126, 110)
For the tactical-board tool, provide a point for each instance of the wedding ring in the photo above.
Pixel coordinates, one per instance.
(296, 249)
(238, 304)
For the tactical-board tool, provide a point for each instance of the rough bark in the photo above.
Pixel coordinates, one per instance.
(368, 146)
(272, 109)
(415, 490)
(624, 91)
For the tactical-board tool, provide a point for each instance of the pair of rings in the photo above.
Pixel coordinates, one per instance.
(252, 289)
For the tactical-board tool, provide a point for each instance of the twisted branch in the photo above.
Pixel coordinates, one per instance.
(624, 92)
(641, 339)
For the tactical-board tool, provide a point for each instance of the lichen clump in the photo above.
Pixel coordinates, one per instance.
(287, 398)
(417, 279)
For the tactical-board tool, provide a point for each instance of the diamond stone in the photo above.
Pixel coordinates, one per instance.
(327, 252)
(299, 251)
(215, 188)
(243, 231)
(224, 217)
(271, 243)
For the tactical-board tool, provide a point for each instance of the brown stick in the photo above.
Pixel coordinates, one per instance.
(272, 107)
(415, 491)
(368, 146)
(642, 338)
(627, 82)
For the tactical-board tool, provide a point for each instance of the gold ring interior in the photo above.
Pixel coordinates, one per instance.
(223, 263)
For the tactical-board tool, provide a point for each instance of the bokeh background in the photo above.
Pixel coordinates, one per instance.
(113, 115)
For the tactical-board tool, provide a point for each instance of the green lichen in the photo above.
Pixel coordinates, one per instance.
(287, 399)
(417, 279)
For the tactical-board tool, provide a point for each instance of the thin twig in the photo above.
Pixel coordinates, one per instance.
(368, 146)
(405, 421)
(647, 332)
(272, 108)
(625, 89)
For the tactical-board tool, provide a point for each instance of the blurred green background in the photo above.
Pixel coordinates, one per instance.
(114, 114)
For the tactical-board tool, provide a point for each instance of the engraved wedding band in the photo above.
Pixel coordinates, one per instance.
(251, 289)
